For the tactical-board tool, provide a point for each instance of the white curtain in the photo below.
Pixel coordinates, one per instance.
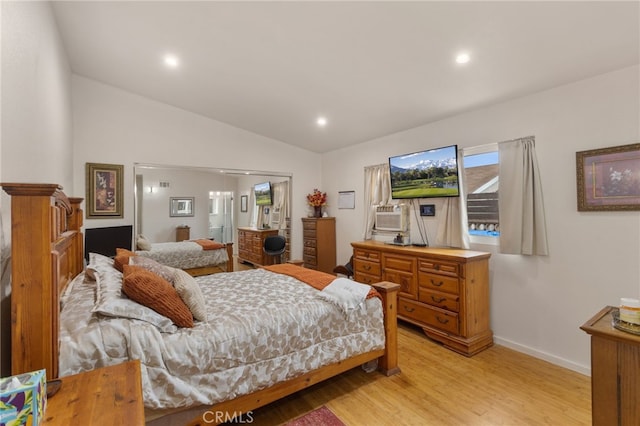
(453, 223)
(281, 202)
(377, 191)
(520, 205)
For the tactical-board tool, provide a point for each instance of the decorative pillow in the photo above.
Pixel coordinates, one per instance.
(142, 243)
(96, 260)
(112, 303)
(190, 293)
(157, 268)
(155, 292)
(122, 258)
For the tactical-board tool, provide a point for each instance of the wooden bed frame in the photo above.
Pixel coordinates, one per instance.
(214, 269)
(47, 253)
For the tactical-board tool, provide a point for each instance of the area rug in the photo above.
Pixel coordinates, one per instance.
(319, 417)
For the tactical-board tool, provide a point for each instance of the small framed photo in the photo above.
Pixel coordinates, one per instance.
(181, 206)
(609, 178)
(104, 184)
(346, 199)
(244, 199)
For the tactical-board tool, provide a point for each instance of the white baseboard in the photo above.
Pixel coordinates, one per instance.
(582, 369)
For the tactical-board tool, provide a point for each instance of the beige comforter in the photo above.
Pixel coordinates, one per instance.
(185, 254)
(262, 328)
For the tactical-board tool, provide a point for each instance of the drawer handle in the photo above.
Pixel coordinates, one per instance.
(442, 321)
(367, 267)
(406, 308)
(437, 284)
(436, 267)
(438, 299)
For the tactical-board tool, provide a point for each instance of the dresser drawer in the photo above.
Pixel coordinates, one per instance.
(366, 267)
(308, 233)
(447, 301)
(439, 282)
(407, 281)
(438, 267)
(310, 261)
(309, 224)
(366, 278)
(399, 263)
(372, 256)
(309, 243)
(310, 251)
(434, 317)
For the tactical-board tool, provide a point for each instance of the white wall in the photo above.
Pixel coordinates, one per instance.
(537, 303)
(114, 126)
(36, 141)
(157, 225)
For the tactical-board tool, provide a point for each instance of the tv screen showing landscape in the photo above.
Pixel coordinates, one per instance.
(425, 174)
(263, 193)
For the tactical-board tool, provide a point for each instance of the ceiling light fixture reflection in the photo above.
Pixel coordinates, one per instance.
(321, 121)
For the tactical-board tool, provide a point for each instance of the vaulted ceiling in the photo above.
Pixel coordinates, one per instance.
(369, 68)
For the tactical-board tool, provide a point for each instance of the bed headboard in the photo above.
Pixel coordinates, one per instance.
(106, 240)
(46, 254)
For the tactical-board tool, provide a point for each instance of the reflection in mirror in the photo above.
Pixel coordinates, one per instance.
(214, 196)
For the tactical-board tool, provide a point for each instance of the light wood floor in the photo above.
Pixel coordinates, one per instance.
(498, 386)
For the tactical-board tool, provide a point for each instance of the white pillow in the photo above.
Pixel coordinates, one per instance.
(142, 243)
(190, 293)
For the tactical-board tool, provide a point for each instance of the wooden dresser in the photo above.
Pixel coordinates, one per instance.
(250, 243)
(615, 372)
(444, 291)
(319, 243)
(182, 233)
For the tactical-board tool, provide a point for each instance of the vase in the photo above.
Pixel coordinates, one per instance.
(317, 211)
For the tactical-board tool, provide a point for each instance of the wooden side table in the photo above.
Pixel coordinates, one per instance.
(105, 396)
(182, 233)
(615, 372)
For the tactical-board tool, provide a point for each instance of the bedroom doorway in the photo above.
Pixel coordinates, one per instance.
(221, 216)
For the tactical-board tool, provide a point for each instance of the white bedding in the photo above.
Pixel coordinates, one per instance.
(185, 254)
(262, 328)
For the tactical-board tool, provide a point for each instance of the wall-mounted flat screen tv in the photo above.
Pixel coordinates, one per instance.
(425, 174)
(263, 194)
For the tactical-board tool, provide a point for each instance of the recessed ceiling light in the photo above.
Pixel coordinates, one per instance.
(463, 58)
(171, 61)
(321, 121)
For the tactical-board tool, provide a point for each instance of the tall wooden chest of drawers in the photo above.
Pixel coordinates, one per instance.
(319, 243)
(250, 243)
(444, 291)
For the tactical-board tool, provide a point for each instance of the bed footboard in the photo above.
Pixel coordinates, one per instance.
(387, 364)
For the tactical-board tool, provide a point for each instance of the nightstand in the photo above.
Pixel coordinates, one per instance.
(105, 396)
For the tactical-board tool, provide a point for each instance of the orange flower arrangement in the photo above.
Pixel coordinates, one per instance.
(317, 198)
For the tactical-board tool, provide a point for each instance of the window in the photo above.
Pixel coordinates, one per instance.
(481, 182)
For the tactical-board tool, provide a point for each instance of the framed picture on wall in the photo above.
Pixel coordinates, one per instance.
(104, 183)
(244, 200)
(609, 178)
(181, 206)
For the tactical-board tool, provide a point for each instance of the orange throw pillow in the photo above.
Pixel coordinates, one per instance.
(156, 293)
(122, 258)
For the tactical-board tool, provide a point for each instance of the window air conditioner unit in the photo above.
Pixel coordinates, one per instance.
(393, 217)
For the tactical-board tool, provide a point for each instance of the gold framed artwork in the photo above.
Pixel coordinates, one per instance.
(609, 178)
(105, 183)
